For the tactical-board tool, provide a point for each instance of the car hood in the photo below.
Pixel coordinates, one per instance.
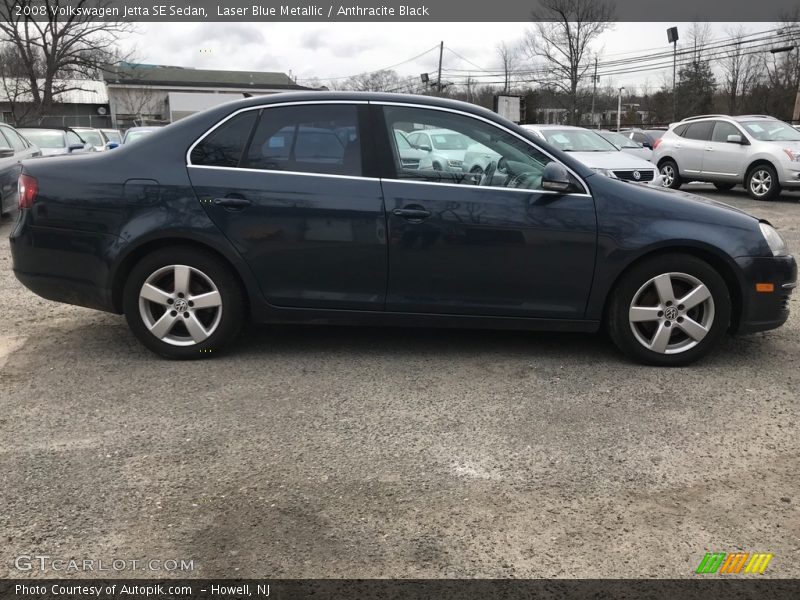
(611, 160)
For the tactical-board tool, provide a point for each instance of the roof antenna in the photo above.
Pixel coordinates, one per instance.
(246, 95)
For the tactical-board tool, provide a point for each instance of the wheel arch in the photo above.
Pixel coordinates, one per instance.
(755, 163)
(714, 259)
(130, 260)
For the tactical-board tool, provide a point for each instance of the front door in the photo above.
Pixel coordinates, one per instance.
(287, 186)
(488, 243)
(724, 159)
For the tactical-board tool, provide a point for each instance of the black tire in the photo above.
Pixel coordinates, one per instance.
(222, 323)
(762, 172)
(437, 166)
(681, 267)
(724, 187)
(670, 175)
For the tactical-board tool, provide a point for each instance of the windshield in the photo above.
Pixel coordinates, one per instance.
(772, 131)
(92, 137)
(45, 138)
(619, 140)
(449, 141)
(132, 136)
(577, 140)
(402, 142)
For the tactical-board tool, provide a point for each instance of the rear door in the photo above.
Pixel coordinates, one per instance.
(289, 185)
(692, 146)
(491, 243)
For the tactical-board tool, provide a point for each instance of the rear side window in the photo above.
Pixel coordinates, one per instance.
(699, 131)
(17, 143)
(320, 139)
(680, 130)
(722, 130)
(224, 147)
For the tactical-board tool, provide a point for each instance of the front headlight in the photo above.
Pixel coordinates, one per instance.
(455, 163)
(606, 172)
(793, 155)
(773, 239)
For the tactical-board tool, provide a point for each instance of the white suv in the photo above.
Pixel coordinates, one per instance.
(757, 151)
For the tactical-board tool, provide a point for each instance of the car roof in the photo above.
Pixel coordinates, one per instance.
(554, 126)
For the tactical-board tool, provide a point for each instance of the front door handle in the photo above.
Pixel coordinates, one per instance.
(412, 214)
(232, 202)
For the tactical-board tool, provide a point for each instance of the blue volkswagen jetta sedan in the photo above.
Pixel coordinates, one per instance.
(298, 208)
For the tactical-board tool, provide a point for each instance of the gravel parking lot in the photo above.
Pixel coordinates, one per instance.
(339, 452)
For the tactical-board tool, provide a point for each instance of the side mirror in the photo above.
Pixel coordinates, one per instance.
(555, 178)
(73, 147)
(6, 152)
(112, 145)
(424, 147)
(647, 145)
(735, 138)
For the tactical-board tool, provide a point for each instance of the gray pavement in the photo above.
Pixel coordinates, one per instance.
(369, 452)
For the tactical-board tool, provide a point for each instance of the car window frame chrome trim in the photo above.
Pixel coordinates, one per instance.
(217, 125)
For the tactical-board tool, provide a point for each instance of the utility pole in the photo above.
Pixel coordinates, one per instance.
(439, 79)
(619, 109)
(672, 38)
(594, 89)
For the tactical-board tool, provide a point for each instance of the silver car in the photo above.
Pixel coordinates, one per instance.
(444, 149)
(757, 151)
(626, 144)
(54, 141)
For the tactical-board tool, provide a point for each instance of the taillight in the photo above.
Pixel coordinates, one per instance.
(656, 143)
(28, 187)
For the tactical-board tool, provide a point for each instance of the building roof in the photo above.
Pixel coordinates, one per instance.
(161, 75)
(78, 91)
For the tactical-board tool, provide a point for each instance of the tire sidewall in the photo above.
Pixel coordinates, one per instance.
(229, 290)
(629, 284)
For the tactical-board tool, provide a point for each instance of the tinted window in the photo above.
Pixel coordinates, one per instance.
(680, 130)
(224, 147)
(478, 153)
(640, 137)
(722, 130)
(17, 143)
(307, 139)
(699, 131)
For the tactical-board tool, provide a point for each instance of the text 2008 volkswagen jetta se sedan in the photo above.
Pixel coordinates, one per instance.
(303, 208)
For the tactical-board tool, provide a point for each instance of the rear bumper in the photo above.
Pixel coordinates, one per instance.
(64, 265)
(762, 311)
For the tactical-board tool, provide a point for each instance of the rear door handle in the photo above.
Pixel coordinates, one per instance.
(412, 214)
(232, 202)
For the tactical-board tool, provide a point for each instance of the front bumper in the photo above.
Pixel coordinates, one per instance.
(762, 311)
(790, 175)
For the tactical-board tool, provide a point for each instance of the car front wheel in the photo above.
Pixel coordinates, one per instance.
(762, 183)
(669, 311)
(183, 303)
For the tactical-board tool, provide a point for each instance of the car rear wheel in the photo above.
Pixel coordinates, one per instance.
(724, 187)
(183, 303)
(669, 311)
(762, 183)
(670, 175)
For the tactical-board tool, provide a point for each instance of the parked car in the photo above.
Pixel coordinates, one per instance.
(646, 137)
(96, 137)
(410, 156)
(196, 230)
(53, 141)
(626, 144)
(597, 153)
(13, 149)
(444, 149)
(136, 133)
(478, 158)
(757, 151)
(112, 136)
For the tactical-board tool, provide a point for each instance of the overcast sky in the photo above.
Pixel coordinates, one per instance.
(327, 50)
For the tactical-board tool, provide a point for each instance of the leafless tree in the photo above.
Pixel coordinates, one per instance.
(509, 55)
(56, 50)
(739, 71)
(698, 38)
(376, 81)
(562, 34)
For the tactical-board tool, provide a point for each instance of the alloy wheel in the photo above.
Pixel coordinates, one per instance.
(671, 313)
(180, 305)
(668, 175)
(760, 182)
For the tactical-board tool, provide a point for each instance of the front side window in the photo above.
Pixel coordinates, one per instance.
(73, 139)
(722, 129)
(320, 139)
(463, 150)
